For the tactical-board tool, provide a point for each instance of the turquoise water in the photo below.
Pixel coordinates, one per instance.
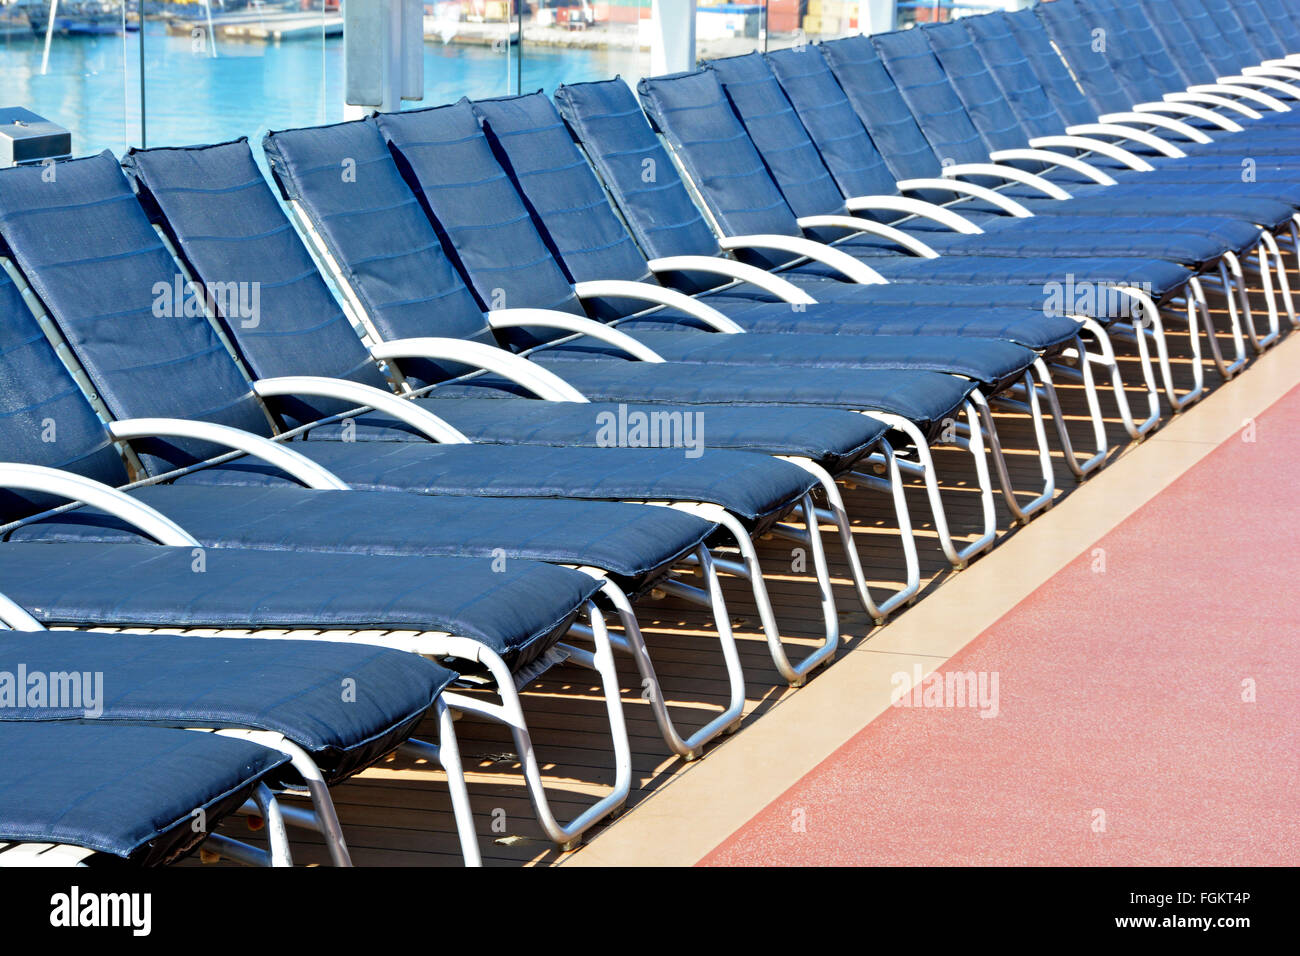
(93, 84)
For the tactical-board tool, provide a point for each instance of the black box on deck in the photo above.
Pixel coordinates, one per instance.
(28, 138)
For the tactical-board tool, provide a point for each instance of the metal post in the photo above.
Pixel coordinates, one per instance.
(672, 24)
(877, 16)
(383, 54)
(144, 130)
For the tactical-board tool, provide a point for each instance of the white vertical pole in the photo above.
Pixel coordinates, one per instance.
(672, 47)
(49, 35)
(877, 16)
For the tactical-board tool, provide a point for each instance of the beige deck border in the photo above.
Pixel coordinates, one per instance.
(691, 815)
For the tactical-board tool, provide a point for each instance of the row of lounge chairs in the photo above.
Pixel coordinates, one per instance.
(264, 440)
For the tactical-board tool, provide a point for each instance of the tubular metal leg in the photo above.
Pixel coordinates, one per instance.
(277, 834)
(634, 644)
(925, 468)
(510, 712)
(1077, 468)
(449, 758)
(1148, 314)
(836, 513)
(1108, 361)
(1019, 512)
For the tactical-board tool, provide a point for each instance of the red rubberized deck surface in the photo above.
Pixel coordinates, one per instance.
(1125, 729)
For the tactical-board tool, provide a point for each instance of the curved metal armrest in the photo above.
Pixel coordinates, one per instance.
(64, 484)
(1055, 159)
(540, 381)
(1149, 140)
(1245, 92)
(567, 322)
(1253, 80)
(915, 207)
(1005, 203)
(1275, 70)
(858, 224)
(836, 259)
(1189, 109)
(1155, 119)
(1008, 173)
(16, 618)
(1211, 99)
(659, 295)
(417, 416)
(783, 289)
(297, 466)
(1087, 144)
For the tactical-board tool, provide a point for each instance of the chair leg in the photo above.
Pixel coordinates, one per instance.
(1078, 469)
(1148, 323)
(1105, 357)
(449, 758)
(446, 753)
(837, 514)
(1044, 499)
(924, 468)
(327, 819)
(510, 712)
(1231, 295)
(277, 834)
(750, 568)
(634, 643)
(1283, 283)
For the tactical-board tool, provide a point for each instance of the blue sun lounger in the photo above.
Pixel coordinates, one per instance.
(759, 488)
(592, 245)
(202, 235)
(345, 223)
(282, 695)
(606, 120)
(82, 794)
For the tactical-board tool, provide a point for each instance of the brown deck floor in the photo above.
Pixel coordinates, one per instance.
(398, 813)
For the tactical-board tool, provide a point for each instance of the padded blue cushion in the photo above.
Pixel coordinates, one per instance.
(448, 163)
(831, 437)
(561, 189)
(1015, 75)
(294, 688)
(44, 417)
(991, 363)
(924, 86)
(345, 182)
(707, 138)
(924, 397)
(122, 585)
(1046, 25)
(628, 540)
(876, 300)
(126, 791)
(788, 152)
(636, 169)
(1031, 329)
(1162, 278)
(752, 486)
(90, 253)
(1178, 240)
(985, 104)
(826, 113)
(226, 223)
(880, 107)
